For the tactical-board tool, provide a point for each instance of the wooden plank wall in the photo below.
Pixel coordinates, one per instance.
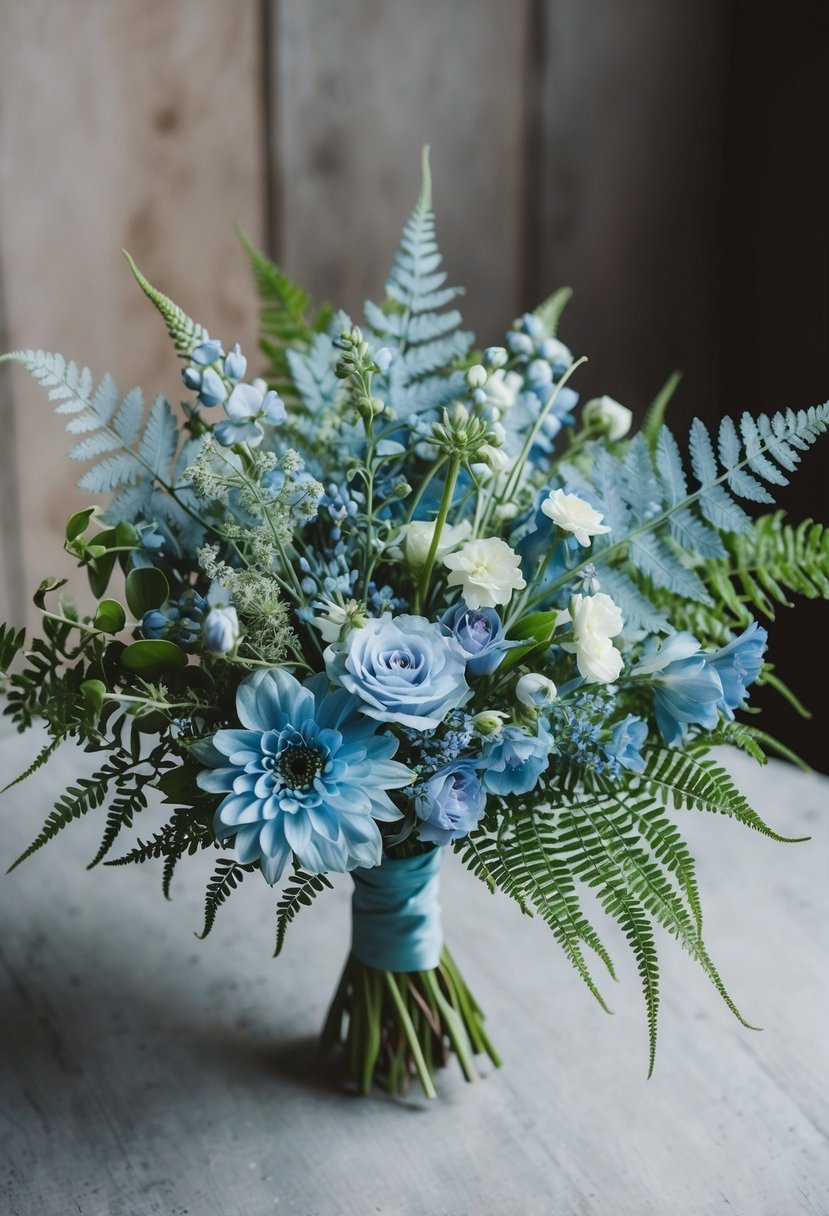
(658, 157)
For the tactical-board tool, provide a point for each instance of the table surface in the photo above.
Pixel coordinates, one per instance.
(143, 1071)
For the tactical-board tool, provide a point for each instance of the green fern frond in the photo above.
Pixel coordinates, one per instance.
(550, 310)
(300, 892)
(654, 419)
(689, 780)
(78, 800)
(227, 876)
(12, 642)
(49, 748)
(185, 332)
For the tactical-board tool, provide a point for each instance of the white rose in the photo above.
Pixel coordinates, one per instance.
(614, 419)
(487, 571)
(573, 514)
(502, 389)
(417, 539)
(534, 690)
(596, 619)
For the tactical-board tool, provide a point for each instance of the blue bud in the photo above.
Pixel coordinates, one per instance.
(191, 377)
(236, 364)
(220, 630)
(213, 390)
(206, 353)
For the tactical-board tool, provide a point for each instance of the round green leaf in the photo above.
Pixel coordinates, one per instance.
(146, 588)
(110, 617)
(93, 692)
(158, 655)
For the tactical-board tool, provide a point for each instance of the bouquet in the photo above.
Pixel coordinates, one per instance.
(394, 596)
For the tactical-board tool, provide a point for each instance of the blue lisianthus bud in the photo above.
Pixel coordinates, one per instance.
(220, 630)
(235, 364)
(480, 635)
(191, 377)
(213, 389)
(154, 624)
(535, 690)
(450, 803)
(520, 343)
(206, 352)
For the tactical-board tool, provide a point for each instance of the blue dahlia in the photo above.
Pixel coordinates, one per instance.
(306, 775)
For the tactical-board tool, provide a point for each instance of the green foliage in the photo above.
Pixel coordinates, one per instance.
(226, 878)
(11, 643)
(187, 832)
(300, 892)
(185, 333)
(656, 521)
(549, 312)
(413, 322)
(655, 417)
(616, 839)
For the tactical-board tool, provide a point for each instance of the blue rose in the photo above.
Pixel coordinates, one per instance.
(403, 669)
(480, 635)
(514, 759)
(450, 803)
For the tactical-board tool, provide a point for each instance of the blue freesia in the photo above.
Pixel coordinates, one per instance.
(403, 669)
(306, 775)
(626, 742)
(480, 635)
(450, 803)
(513, 760)
(738, 665)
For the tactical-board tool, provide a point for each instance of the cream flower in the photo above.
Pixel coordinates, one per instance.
(573, 514)
(614, 419)
(487, 571)
(502, 389)
(596, 619)
(417, 539)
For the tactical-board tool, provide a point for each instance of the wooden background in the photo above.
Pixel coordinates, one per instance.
(666, 160)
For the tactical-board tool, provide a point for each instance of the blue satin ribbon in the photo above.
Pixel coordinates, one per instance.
(395, 914)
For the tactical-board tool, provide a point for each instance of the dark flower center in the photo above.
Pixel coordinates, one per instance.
(298, 766)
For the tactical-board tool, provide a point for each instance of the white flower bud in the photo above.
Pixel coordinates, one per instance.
(535, 690)
(611, 417)
(496, 356)
(476, 376)
(489, 721)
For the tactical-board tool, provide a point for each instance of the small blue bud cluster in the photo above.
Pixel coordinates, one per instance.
(178, 620)
(217, 379)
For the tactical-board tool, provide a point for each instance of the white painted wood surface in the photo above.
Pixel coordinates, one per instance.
(145, 1072)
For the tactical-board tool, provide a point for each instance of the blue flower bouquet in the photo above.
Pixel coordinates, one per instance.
(396, 595)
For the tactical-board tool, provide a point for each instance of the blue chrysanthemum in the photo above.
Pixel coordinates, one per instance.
(306, 775)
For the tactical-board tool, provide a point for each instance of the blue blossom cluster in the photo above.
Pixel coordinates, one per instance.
(218, 379)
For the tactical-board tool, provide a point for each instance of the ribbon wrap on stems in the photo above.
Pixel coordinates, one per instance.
(395, 914)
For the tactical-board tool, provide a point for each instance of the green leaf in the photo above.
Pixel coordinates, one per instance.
(153, 656)
(655, 416)
(146, 588)
(77, 524)
(94, 692)
(110, 617)
(538, 626)
(46, 588)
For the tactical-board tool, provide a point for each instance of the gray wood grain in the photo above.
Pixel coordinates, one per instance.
(134, 125)
(358, 89)
(143, 1071)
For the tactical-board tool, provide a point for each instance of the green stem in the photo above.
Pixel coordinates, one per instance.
(445, 505)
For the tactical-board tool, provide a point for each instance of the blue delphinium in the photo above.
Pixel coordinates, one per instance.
(480, 635)
(513, 760)
(307, 774)
(738, 665)
(450, 803)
